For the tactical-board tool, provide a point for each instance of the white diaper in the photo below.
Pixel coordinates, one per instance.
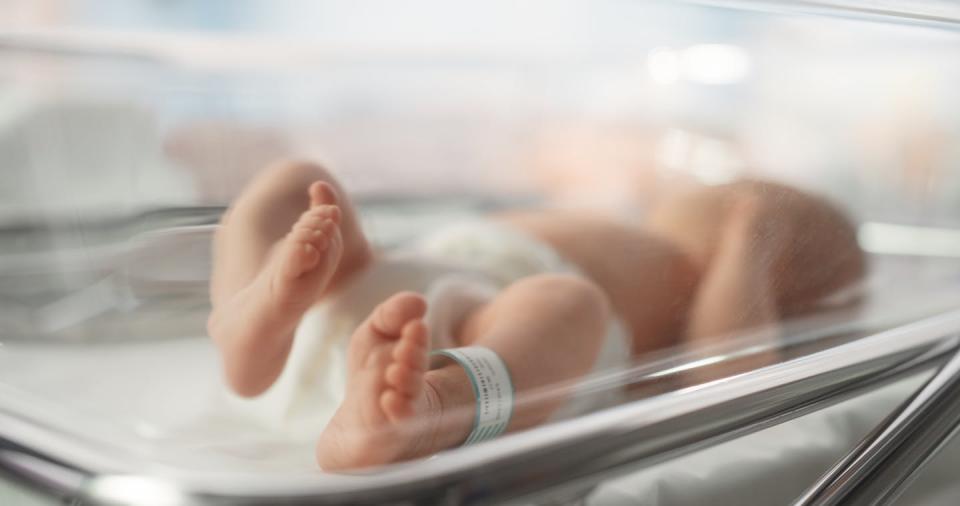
(508, 254)
(456, 269)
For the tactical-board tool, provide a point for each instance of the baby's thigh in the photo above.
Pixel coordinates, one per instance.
(536, 305)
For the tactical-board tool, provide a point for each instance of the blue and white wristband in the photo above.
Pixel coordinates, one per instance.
(492, 388)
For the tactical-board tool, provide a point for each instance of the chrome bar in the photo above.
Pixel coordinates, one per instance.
(41, 472)
(887, 460)
(930, 13)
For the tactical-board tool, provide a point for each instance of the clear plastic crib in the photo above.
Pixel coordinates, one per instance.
(124, 133)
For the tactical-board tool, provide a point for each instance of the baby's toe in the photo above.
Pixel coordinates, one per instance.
(302, 255)
(325, 212)
(391, 316)
(396, 406)
(317, 238)
(332, 213)
(404, 379)
(413, 346)
(320, 215)
(322, 193)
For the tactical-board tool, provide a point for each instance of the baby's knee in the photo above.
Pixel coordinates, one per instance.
(296, 173)
(278, 194)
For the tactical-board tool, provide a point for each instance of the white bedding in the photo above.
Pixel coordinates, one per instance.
(776, 465)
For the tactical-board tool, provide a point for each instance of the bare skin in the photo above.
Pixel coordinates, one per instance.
(292, 238)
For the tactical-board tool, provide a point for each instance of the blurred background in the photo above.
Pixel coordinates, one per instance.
(119, 118)
(115, 107)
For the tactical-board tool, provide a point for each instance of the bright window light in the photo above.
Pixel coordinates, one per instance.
(664, 65)
(702, 63)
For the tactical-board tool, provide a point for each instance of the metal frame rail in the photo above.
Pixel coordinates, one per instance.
(881, 467)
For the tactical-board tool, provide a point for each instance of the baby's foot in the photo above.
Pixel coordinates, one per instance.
(307, 258)
(385, 415)
(255, 327)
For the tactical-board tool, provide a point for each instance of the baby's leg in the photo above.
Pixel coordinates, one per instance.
(290, 237)
(264, 213)
(547, 329)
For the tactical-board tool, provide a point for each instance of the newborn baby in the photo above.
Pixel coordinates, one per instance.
(705, 263)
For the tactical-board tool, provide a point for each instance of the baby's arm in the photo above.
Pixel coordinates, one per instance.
(736, 293)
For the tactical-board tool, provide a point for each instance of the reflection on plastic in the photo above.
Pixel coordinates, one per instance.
(147, 491)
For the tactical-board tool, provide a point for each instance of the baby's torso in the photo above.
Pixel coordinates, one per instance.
(649, 280)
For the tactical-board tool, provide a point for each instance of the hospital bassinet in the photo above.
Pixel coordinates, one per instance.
(123, 136)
